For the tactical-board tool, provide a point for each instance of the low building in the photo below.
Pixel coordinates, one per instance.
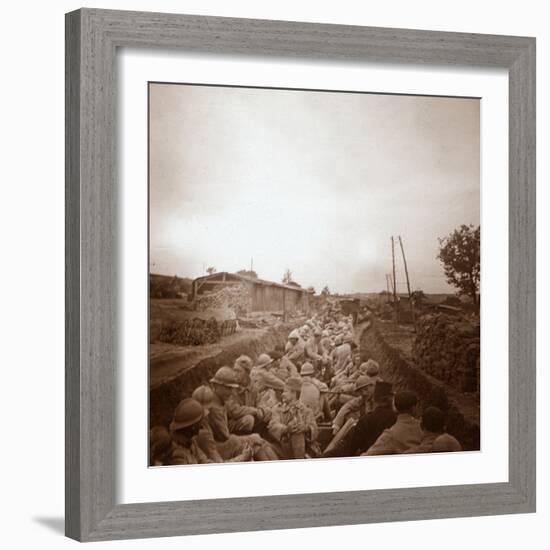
(264, 295)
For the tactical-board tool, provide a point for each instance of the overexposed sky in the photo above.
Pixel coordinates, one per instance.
(316, 182)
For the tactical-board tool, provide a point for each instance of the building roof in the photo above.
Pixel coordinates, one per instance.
(251, 280)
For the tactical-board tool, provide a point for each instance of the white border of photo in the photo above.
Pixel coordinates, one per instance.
(136, 482)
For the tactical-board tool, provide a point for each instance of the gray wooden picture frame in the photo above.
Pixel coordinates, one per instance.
(92, 39)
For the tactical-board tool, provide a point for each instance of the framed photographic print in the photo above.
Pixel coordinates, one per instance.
(300, 275)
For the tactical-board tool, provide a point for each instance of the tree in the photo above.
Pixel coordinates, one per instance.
(459, 254)
(325, 291)
(211, 270)
(287, 277)
(247, 273)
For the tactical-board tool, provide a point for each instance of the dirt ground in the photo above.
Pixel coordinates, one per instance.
(167, 361)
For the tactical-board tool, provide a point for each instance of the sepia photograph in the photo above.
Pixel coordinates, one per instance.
(314, 274)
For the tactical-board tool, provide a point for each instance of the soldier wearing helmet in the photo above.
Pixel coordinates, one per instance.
(341, 355)
(262, 378)
(231, 450)
(311, 393)
(359, 405)
(224, 384)
(294, 348)
(293, 423)
(184, 428)
(315, 353)
(243, 414)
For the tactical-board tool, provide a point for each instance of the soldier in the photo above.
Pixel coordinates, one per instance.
(314, 351)
(293, 424)
(356, 407)
(294, 349)
(284, 368)
(370, 425)
(434, 438)
(184, 428)
(234, 449)
(405, 434)
(261, 377)
(224, 384)
(313, 393)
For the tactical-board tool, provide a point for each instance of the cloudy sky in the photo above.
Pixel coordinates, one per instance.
(316, 182)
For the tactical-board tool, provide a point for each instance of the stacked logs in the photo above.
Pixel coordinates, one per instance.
(196, 332)
(235, 297)
(448, 348)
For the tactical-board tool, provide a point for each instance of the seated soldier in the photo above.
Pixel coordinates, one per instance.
(215, 438)
(405, 433)
(184, 429)
(359, 405)
(434, 438)
(283, 368)
(292, 423)
(369, 426)
(313, 393)
(295, 348)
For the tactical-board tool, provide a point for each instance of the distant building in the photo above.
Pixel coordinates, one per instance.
(264, 295)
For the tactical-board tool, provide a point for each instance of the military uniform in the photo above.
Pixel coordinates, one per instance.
(292, 425)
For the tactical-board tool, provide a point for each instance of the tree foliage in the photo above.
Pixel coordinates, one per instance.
(459, 254)
(325, 291)
(287, 277)
(211, 270)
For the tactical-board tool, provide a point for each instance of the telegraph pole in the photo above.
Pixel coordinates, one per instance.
(407, 276)
(394, 281)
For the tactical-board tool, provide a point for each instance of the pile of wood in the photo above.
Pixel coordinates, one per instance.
(196, 332)
(235, 297)
(448, 348)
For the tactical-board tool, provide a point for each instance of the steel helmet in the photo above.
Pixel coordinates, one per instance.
(307, 369)
(244, 361)
(294, 383)
(373, 368)
(370, 368)
(187, 413)
(204, 395)
(225, 376)
(264, 360)
(294, 334)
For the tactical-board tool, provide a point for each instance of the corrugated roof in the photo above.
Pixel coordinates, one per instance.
(252, 280)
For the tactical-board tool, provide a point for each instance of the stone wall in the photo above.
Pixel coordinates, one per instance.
(448, 348)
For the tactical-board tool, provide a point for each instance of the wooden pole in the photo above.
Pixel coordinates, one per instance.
(407, 276)
(394, 281)
(388, 283)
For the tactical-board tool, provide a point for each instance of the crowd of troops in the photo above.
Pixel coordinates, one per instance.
(283, 406)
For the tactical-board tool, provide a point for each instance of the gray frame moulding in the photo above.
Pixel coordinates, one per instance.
(92, 38)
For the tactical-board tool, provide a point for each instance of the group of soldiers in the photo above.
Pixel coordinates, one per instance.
(314, 398)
